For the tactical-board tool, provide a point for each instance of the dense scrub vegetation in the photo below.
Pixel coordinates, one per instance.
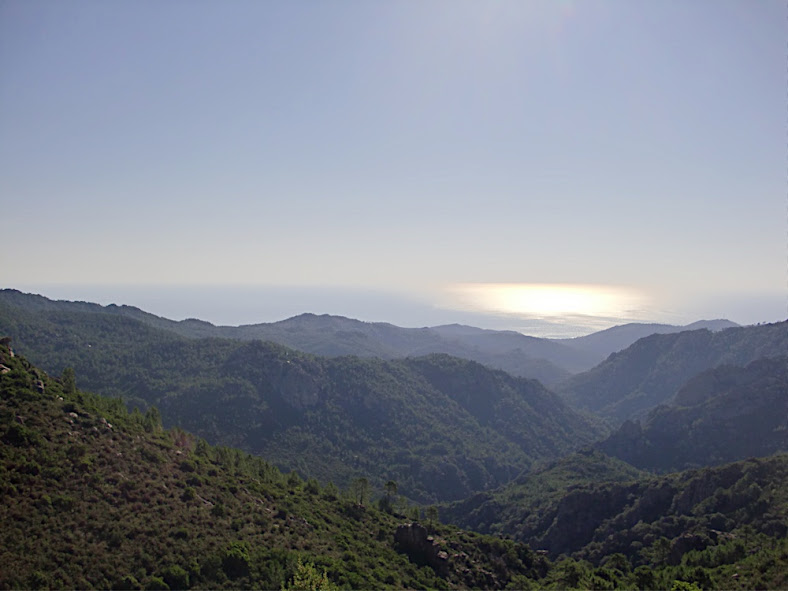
(96, 493)
(591, 507)
(95, 496)
(527, 504)
(441, 427)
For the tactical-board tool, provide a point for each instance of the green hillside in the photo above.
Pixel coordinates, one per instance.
(599, 345)
(651, 371)
(527, 504)
(96, 497)
(592, 508)
(440, 426)
(335, 336)
(723, 414)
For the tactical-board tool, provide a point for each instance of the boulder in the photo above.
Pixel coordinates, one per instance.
(412, 539)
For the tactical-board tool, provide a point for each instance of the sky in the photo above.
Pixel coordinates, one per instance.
(580, 162)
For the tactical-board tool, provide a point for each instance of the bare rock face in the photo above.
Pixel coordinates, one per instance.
(412, 539)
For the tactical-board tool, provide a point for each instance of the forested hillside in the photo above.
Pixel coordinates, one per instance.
(97, 497)
(495, 451)
(599, 345)
(650, 372)
(593, 508)
(526, 505)
(334, 336)
(548, 360)
(441, 427)
(723, 414)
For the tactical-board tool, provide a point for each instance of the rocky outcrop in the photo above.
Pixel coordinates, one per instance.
(412, 539)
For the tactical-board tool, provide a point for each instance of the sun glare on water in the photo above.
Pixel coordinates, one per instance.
(540, 300)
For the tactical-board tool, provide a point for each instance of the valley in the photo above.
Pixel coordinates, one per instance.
(661, 462)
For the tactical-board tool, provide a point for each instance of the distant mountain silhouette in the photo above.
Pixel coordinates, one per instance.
(550, 361)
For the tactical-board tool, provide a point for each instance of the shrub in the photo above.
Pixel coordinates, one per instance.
(20, 436)
(312, 486)
(156, 584)
(176, 577)
(128, 583)
(194, 480)
(309, 578)
(218, 510)
(187, 466)
(38, 580)
(150, 455)
(211, 569)
(235, 561)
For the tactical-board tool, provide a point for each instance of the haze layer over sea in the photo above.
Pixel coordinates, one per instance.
(233, 305)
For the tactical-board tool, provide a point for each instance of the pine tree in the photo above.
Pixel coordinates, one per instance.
(69, 381)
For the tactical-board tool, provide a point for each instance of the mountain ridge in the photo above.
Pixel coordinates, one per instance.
(617, 338)
(650, 371)
(451, 426)
(412, 420)
(551, 361)
(97, 497)
(724, 414)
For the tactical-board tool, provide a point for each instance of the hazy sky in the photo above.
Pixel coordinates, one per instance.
(455, 151)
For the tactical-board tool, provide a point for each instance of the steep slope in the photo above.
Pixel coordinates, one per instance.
(524, 506)
(95, 497)
(333, 419)
(508, 405)
(700, 504)
(590, 507)
(724, 414)
(650, 372)
(599, 345)
(503, 344)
